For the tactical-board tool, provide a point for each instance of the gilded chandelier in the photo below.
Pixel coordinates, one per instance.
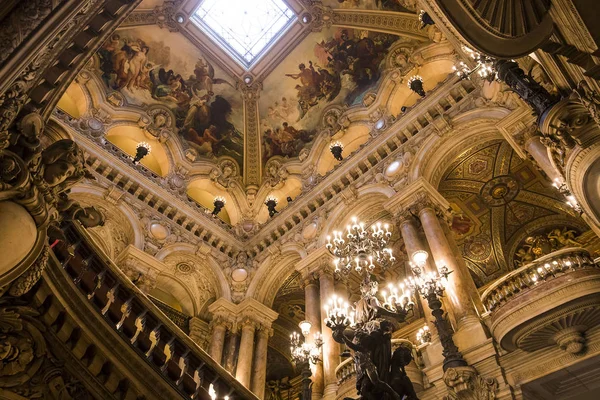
(303, 351)
(359, 248)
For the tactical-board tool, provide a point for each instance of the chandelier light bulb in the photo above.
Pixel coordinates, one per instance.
(484, 65)
(424, 335)
(305, 327)
(420, 257)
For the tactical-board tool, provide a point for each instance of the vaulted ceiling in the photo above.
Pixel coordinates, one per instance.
(219, 127)
(499, 200)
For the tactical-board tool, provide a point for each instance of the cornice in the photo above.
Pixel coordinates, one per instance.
(315, 262)
(257, 311)
(364, 163)
(416, 193)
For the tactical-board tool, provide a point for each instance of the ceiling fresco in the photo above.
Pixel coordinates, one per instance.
(499, 200)
(384, 5)
(335, 66)
(151, 66)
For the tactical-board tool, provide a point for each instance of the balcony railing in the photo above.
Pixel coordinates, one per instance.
(178, 318)
(533, 274)
(140, 323)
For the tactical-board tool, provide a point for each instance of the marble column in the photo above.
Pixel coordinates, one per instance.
(458, 287)
(312, 313)
(539, 152)
(259, 369)
(331, 349)
(231, 351)
(217, 342)
(413, 242)
(246, 351)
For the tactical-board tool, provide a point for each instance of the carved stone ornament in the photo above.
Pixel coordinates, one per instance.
(165, 15)
(226, 174)
(333, 119)
(322, 17)
(465, 383)
(25, 282)
(590, 99)
(28, 370)
(159, 124)
(275, 173)
(22, 344)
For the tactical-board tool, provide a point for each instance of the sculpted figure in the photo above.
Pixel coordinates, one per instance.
(62, 164)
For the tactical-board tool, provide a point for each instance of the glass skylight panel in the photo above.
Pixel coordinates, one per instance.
(244, 27)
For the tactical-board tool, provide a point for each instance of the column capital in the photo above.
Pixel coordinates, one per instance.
(257, 312)
(223, 314)
(416, 197)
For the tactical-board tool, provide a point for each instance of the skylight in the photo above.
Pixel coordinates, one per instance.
(245, 28)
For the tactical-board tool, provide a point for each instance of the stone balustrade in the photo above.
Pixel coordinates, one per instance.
(345, 371)
(140, 323)
(533, 274)
(552, 301)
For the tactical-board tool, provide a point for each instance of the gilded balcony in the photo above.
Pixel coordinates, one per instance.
(551, 301)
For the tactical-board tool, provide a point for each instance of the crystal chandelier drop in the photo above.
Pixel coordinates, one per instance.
(359, 248)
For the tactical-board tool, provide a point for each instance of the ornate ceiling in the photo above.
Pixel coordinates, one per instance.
(499, 200)
(217, 127)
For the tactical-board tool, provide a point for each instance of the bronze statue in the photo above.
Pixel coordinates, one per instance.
(379, 374)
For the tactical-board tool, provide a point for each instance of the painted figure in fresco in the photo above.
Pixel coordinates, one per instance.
(201, 116)
(314, 85)
(205, 76)
(388, 5)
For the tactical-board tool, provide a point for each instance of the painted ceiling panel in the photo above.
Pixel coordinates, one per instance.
(499, 200)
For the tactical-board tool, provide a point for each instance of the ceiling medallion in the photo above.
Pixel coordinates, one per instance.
(185, 268)
(500, 190)
(245, 29)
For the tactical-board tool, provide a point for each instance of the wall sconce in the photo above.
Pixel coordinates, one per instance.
(336, 149)
(424, 336)
(218, 204)
(415, 83)
(271, 203)
(425, 19)
(141, 151)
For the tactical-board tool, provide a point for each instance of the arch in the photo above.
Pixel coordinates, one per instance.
(292, 187)
(469, 129)
(270, 274)
(205, 269)
(175, 293)
(83, 189)
(352, 138)
(433, 73)
(73, 102)
(203, 191)
(121, 227)
(127, 138)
